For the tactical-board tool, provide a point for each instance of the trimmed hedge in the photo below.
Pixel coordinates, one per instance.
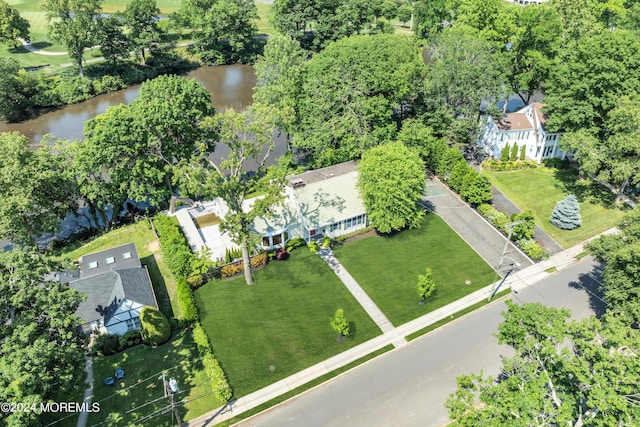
(212, 368)
(175, 248)
(532, 249)
(236, 268)
(186, 301)
(500, 166)
(156, 329)
(294, 243)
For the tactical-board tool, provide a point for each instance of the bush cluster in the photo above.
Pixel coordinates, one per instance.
(294, 243)
(236, 268)
(556, 163)
(521, 234)
(175, 248)
(186, 301)
(313, 247)
(106, 344)
(212, 368)
(231, 255)
(499, 166)
(469, 184)
(156, 329)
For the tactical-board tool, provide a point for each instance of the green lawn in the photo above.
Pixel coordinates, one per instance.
(388, 268)
(280, 325)
(121, 404)
(264, 18)
(540, 189)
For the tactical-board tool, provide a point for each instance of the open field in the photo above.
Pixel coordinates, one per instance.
(540, 189)
(281, 324)
(387, 267)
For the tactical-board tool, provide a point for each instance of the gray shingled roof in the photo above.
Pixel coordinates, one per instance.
(106, 291)
(115, 257)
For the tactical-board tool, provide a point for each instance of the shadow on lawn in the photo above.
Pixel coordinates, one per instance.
(584, 190)
(140, 395)
(159, 285)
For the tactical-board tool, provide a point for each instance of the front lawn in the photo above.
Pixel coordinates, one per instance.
(540, 189)
(387, 268)
(140, 395)
(281, 324)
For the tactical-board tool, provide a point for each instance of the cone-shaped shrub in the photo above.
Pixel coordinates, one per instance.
(566, 214)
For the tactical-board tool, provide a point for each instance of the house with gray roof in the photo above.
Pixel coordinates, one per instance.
(317, 203)
(117, 286)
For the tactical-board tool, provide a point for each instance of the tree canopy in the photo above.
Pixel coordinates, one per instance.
(12, 25)
(141, 18)
(41, 355)
(13, 100)
(391, 180)
(355, 94)
(563, 373)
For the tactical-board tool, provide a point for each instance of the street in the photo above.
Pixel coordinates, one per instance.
(409, 386)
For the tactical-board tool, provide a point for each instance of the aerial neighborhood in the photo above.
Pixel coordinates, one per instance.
(387, 212)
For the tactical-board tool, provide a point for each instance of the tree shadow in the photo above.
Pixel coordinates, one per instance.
(590, 283)
(585, 190)
(159, 285)
(428, 205)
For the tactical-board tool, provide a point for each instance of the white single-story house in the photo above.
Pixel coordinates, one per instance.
(526, 126)
(317, 203)
(117, 287)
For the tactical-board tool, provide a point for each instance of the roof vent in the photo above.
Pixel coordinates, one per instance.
(295, 183)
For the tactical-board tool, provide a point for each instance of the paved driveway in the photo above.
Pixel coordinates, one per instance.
(477, 232)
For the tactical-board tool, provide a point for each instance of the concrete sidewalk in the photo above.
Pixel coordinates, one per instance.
(525, 277)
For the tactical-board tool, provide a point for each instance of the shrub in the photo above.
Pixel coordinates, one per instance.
(231, 270)
(231, 255)
(494, 216)
(523, 153)
(326, 242)
(195, 281)
(526, 229)
(155, 326)
(201, 339)
(129, 339)
(532, 249)
(504, 154)
(341, 239)
(426, 285)
(106, 344)
(282, 255)
(175, 248)
(219, 383)
(294, 243)
(186, 301)
(313, 247)
(556, 163)
(340, 324)
(566, 214)
(499, 166)
(449, 159)
(514, 152)
(259, 260)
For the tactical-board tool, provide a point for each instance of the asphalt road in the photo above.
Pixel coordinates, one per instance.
(409, 386)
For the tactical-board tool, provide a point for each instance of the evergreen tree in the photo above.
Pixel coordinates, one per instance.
(523, 152)
(514, 152)
(566, 214)
(504, 155)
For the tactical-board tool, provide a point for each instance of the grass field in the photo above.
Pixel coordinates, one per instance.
(121, 404)
(281, 324)
(388, 268)
(540, 189)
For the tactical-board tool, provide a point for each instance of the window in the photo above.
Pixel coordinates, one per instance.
(110, 260)
(265, 241)
(286, 235)
(547, 151)
(133, 323)
(277, 239)
(352, 222)
(335, 226)
(313, 232)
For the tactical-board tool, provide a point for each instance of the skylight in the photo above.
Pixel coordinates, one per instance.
(126, 255)
(93, 264)
(110, 260)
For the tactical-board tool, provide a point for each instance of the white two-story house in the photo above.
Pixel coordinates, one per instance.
(523, 127)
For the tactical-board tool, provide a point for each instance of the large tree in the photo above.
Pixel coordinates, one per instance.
(578, 373)
(614, 157)
(223, 30)
(355, 95)
(41, 355)
(588, 83)
(137, 145)
(74, 23)
(620, 254)
(12, 25)
(12, 101)
(34, 195)
(141, 18)
(248, 141)
(391, 180)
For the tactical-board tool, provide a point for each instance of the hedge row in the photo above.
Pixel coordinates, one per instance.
(186, 301)
(106, 344)
(237, 268)
(499, 166)
(212, 368)
(521, 235)
(462, 178)
(175, 248)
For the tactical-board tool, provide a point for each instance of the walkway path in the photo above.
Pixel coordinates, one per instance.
(31, 48)
(88, 393)
(473, 228)
(525, 277)
(360, 295)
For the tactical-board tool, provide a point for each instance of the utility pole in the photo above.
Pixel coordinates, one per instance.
(168, 392)
(509, 226)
